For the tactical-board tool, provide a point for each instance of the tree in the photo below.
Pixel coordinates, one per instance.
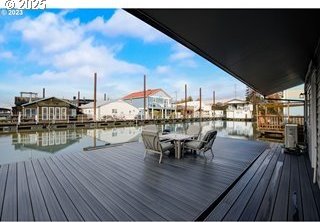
(189, 99)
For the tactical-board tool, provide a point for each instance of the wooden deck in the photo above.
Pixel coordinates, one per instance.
(277, 186)
(245, 181)
(117, 184)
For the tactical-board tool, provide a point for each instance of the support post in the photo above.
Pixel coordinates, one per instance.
(185, 101)
(200, 101)
(78, 98)
(95, 98)
(214, 103)
(144, 96)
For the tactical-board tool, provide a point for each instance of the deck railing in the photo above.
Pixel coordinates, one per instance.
(276, 122)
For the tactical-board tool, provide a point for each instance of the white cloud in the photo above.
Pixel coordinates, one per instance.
(182, 56)
(162, 69)
(6, 55)
(124, 24)
(180, 53)
(70, 55)
(50, 32)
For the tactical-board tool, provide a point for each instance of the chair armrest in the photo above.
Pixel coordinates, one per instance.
(204, 141)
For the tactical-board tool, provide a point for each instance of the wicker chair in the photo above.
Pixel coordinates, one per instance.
(202, 145)
(152, 143)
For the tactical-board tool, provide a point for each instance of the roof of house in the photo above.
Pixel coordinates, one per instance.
(140, 94)
(43, 99)
(236, 101)
(101, 103)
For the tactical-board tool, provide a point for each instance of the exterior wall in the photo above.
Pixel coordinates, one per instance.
(318, 127)
(239, 111)
(312, 116)
(49, 110)
(218, 113)
(119, 109)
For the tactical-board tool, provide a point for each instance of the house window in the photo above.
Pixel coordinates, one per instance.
(28, 113)
(57, 113)
(51, 113)
(44, 113)
(63, 113)
(114, 111)
(73, 112)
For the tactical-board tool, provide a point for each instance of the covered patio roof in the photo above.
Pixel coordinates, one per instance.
(268, 49)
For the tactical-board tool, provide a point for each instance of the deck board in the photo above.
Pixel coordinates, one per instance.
(39, 208)
(310, 211)
(266, 208)
(280, 210)
(3, 182)
(10, 205)
(236, 210)
(116, 183)
(68, 190)
(279, 176)
(54, 209)
(221, 210)
(24, 201)
(295, 210)
(154, 193)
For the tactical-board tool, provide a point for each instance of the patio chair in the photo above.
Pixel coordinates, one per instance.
(202, 145)
(194, 131)
(152, 143)
(150, 128)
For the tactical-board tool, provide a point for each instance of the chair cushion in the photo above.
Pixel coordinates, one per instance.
(167, 146)
(194, 144)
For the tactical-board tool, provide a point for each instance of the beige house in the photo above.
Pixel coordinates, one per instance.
(48, 109)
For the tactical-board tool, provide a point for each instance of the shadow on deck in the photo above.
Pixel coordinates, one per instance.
(117, 184)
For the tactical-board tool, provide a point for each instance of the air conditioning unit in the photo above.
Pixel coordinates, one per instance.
(291, 135)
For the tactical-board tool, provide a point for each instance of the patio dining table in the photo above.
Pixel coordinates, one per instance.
(178, 138)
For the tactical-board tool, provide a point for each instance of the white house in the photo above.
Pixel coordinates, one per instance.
(111, 109)
(157, 100)
(206, 109)
(239, 109)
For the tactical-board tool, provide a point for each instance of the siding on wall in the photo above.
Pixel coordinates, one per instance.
(318, 127)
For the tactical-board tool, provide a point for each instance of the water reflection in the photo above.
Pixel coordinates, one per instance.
(22, 146)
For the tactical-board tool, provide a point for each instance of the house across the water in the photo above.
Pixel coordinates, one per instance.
(239, 109)
(158, 103)
(108, 110)
(48, 110)
(5, 113)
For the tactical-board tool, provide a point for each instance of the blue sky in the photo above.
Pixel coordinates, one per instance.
(61, 49)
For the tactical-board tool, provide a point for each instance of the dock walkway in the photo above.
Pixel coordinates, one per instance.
(117, 184)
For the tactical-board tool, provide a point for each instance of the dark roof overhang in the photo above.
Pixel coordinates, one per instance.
(268, 49)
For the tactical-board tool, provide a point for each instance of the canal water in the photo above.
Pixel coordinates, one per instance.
(17, 147)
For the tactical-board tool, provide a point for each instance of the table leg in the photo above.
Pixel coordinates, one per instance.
(179, 150)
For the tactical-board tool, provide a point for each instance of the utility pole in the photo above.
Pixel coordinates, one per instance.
(200, 111)
(214, 102)
(185, 100)
(95, 98)
(144, 96)
(175, 111)
(78, 98)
